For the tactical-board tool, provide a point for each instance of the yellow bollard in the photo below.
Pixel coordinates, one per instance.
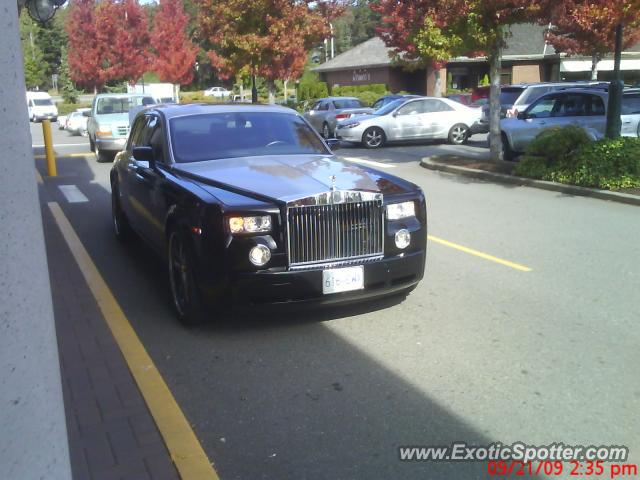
(48, 146)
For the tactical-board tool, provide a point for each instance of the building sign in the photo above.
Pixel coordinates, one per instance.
(362, 75)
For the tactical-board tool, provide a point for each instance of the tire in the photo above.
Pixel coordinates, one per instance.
(185, 294)
(373, 137)
(326, 131)
(507, 153)
(121, 226)
(458, 134)
(103, 157)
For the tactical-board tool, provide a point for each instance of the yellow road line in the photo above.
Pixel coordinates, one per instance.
(486, 256)
(39, 177)
(67, 155)
(182, 443)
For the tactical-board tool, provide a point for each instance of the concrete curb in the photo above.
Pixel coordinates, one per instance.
(431, 164)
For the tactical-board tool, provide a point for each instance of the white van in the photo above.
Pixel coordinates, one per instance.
(41, 106)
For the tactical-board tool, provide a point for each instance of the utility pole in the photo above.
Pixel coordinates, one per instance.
(614, 108)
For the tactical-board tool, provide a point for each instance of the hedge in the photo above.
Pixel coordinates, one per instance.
(563, 155)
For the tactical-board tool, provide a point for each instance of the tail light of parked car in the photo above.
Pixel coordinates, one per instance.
(342, 116)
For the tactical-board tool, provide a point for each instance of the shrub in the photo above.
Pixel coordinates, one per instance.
(610, 164)
(568, 156)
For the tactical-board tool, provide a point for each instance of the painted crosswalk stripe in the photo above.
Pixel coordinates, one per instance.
(73, 194)
(368, 162)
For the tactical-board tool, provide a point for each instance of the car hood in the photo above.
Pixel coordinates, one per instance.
(113, 118)
(289, 177)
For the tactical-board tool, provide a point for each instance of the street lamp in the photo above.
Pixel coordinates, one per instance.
(41, 10)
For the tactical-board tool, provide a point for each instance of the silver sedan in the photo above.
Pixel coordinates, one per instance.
(412, 119)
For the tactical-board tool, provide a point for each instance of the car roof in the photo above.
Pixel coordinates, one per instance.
(122, 95)
(175, 110)
(340, 98)
(591, 91)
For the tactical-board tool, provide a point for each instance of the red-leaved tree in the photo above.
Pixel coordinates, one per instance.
(174, 54)
(587, 27)
(85, 67)
(268, 38)
(108, 41)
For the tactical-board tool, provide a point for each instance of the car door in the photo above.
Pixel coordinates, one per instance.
(437, 118)
(129, 196)
(630, 115)
(533, 121)
(147, 182)
(312, 114)
(408, 121)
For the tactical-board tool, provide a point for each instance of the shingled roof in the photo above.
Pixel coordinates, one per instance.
(525, 42)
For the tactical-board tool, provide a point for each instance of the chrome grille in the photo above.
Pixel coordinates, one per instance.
(335, 232)
(122, 130)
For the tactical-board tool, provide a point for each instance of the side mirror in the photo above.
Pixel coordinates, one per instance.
(86, 113)
(334, 143)
(144, 154)
(522, 116)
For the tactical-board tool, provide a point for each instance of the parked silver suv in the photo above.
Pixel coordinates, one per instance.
(586, 108)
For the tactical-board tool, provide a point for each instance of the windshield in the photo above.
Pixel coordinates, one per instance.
(347, 103)
(509, 95)
(42, 102)
(109, 105)
(389, 107)
(196, 138)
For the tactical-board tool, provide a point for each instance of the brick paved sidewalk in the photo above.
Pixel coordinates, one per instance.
(112, 434)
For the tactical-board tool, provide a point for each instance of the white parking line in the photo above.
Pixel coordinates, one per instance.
(368, 162)
(73, 194)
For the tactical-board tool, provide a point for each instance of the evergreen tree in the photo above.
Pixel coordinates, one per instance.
(65, 84)
(35, 73)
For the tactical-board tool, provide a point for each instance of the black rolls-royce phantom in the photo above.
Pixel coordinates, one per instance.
(248, 206)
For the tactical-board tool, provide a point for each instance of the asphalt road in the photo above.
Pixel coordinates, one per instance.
(479, 352)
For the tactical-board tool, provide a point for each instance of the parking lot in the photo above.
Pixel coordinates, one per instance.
(523, 329)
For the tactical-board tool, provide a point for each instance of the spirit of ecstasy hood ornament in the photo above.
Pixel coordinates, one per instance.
(333, 182)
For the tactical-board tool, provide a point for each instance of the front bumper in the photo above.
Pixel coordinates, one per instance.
(281, 286)
(111, 144)
(349, 134)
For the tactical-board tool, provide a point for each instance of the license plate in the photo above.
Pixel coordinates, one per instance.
(342, 279)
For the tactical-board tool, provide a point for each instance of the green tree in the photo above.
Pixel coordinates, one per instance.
(35, 72)
(68, 89)
(51, 39)
(357, 24)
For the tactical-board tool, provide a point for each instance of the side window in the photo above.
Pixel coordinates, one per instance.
(543, 108)
(316, 106)
(323, 106)
(412, 108)
(631, 104)
(136, 131)
(145, 136)
(437, 106)
(594, 105)
(157, 143)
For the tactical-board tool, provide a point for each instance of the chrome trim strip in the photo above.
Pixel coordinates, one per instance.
(340, 263)
(335, 197)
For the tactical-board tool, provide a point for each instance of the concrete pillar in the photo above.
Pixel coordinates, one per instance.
(33, 434)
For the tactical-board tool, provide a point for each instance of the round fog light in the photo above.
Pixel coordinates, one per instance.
(403, 238)
(259, 255)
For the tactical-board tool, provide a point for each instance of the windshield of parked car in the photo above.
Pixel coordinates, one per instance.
(109, 105)
(42, 102)
(389, 107)
(508, 95)
(347, 103)
(196, 138)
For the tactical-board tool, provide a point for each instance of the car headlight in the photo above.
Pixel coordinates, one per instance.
(250, 224)
(396, 211)
(103, 130)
